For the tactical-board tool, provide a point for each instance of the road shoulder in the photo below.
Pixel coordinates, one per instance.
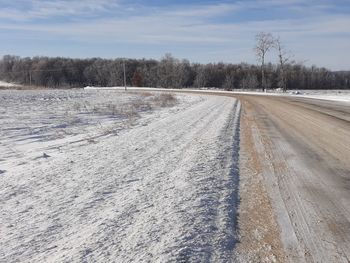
(259, 230)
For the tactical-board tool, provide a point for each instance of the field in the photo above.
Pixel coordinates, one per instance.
(113, 176)
(34, 122)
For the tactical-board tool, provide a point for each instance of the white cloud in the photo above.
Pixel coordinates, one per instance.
(204, 11)
(28, 10)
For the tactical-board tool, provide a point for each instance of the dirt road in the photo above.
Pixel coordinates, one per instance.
(302, 148)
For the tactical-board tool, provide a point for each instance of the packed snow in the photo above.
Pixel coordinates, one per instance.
(161, 188)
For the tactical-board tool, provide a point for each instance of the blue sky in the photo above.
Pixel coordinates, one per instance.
(316, 32)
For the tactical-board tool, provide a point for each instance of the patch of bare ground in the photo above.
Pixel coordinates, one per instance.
(259, 231)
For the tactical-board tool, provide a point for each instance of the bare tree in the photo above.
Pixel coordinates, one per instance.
(283, 58)
(202, 76)
(136, 79)
(166, 70)
(264, 42)
(250, 82)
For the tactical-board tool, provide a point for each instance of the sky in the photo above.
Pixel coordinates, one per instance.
(314, 32)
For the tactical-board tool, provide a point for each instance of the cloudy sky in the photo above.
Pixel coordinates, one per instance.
(315, 31)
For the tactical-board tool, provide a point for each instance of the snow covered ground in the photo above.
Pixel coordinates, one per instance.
(33, 122)
(8, 85)
(159, 187)
(333, 95)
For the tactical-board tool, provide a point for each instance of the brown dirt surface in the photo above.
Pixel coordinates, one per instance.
(259, 231)
(303, 146)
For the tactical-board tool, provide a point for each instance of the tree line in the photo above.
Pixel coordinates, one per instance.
(168, 72)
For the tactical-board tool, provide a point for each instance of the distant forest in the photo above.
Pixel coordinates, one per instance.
(169, 72)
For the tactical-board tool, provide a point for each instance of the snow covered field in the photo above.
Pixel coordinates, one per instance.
(333, 95)
(34, 122)
(117, 184)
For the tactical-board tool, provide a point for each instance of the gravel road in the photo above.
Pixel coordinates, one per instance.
(304, 148)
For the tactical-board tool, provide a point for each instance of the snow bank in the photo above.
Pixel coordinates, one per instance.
(8, 85)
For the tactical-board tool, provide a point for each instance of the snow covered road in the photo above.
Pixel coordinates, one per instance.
(165, 190)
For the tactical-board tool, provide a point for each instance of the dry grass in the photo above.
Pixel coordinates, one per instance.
(23, 88)
(127, 112)
(146, 93)
(165, 100)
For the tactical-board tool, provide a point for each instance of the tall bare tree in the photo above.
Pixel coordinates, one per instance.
(283, 58)
(264, 42)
